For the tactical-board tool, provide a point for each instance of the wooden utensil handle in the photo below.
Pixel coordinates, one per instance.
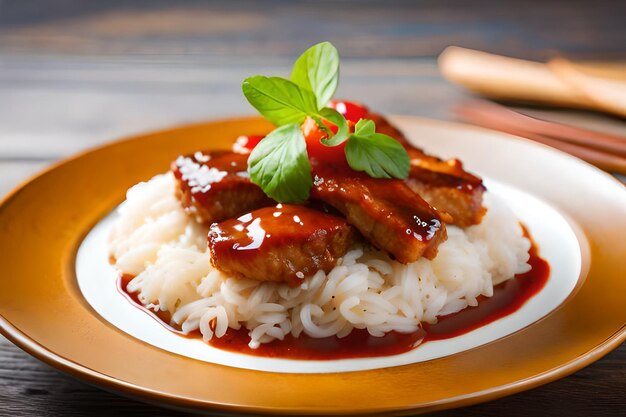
(493, 117)
(506, 78)
(502, 118)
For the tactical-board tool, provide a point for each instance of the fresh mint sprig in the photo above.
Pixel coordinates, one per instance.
(343, 131)
(280, 166)
(380, 156)
(317, 70)
(279, 163)
(280, 101)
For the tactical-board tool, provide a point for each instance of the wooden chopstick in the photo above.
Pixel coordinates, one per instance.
(560, 82)
(604, 151)
(577, 135)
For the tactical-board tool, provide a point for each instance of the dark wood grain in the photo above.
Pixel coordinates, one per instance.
(65, 104)
(76, 74)
(396, 28)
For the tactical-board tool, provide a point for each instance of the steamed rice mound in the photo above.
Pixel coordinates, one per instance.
(154, 240)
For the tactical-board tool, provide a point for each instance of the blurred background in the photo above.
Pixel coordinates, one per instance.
(75, 74)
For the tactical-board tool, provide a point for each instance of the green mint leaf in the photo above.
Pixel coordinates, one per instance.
(280, 101)
(364, 127)
(338, 120)
(317, 70)
(280, 166)
(380, 156)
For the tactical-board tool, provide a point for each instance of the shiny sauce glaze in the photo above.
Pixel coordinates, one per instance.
(507, 298)
(386, 211)
(284, 242)
(443, 174)
(216, 186)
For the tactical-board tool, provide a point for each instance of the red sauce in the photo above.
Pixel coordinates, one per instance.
(507, 298)
(358, 344)
(163, 317)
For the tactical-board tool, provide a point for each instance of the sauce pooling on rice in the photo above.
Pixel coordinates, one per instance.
(508, 297)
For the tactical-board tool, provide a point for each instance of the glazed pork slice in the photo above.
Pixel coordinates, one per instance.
(443, 184)
(448, 187)
(386, 212)
(215, 186)
(283, 243)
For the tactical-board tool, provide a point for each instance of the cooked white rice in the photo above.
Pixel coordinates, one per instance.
(155, 240)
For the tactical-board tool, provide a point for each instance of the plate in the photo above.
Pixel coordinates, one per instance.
(42, 308)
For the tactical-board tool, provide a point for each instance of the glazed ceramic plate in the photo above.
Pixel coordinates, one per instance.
(55, 279)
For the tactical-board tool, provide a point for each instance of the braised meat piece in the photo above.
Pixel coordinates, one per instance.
(282, 243)
(215, 186)
(387, 212)
(443, 184)
(448, 187)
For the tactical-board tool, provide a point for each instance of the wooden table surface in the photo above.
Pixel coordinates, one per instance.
(76, 75)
